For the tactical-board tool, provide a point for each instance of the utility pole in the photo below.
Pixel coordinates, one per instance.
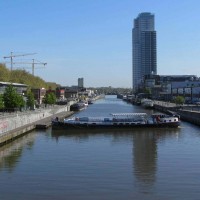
(12, 56)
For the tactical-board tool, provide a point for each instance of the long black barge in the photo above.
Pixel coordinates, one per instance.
(119, 121)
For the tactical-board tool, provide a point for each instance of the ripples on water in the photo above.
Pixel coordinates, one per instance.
(103, 164)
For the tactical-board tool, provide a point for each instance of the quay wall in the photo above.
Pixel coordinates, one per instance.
(186, 114)
(17, 124)
(190, 116)
(164, 108)
(13, 125)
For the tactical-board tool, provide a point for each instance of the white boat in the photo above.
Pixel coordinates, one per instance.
(84, 102)
(147, 103)
(120, 120)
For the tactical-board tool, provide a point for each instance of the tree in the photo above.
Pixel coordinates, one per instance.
(24, 77)
(1, 102)
(179, 100)
(30, 99)
(20, 101)
(50, 98)
(12, 99)
(4, 73)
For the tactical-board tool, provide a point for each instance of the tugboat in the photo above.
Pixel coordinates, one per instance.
(120, 120)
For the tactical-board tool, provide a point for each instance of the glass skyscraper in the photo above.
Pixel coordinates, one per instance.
(144, 55)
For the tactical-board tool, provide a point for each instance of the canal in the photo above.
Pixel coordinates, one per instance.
(138, 164)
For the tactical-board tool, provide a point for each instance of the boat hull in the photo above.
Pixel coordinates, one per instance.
(77, 107)
(62, 125)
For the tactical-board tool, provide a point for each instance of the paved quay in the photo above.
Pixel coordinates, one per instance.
(46, 122)
(17, 124)
(14, 125)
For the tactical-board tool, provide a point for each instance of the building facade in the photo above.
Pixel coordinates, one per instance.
(20, 88)
(167, 87)
(80, 82)
(39, 94)
(144, 51)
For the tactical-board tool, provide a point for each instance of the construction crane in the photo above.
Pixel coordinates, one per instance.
(12, 56)
(33, 64)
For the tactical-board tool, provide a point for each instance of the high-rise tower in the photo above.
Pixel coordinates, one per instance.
(80, 82)
(144, 55)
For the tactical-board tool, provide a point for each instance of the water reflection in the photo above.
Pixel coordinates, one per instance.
(144, 146)
(145, 154)
(12, 152)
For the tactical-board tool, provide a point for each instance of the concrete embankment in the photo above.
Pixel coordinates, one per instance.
(190, 116)
(187, 113)
(17, 124)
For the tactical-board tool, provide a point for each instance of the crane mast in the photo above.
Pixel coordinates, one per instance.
(33, 64)
(12, 56)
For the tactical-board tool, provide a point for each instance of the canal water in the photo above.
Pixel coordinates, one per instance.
(153, 164)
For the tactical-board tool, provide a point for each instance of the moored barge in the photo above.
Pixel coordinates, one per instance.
(119, 120)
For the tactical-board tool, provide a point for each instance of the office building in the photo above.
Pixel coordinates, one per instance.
(144, 55)
(80, 82)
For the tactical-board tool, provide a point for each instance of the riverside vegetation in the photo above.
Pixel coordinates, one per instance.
(11, 100)
(24, 77)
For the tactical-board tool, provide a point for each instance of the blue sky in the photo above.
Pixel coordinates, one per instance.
(92, 38)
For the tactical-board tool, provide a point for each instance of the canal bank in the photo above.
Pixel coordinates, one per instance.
(15, 125)
(187, 113)
(109, 164)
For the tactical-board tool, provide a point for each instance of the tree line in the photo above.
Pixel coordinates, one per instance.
(11, 100)
(24, 77)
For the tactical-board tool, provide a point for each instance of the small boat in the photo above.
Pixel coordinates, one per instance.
(84, 102)
(90, 101)
(120, 120)
(77, 107)
(147, 103)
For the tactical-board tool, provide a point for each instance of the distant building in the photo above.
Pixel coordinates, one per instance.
(60, 92)
(144, 55)
(166, 87)
(39, 94)
(80, 82)
(65, 92)
(20, 88)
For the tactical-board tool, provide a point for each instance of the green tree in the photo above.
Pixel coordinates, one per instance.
(50, 98)
(24, 77)
(4, 73)
(1, 102)
(30, 99)
(12, 99)
(20, 101)
(179, 100)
